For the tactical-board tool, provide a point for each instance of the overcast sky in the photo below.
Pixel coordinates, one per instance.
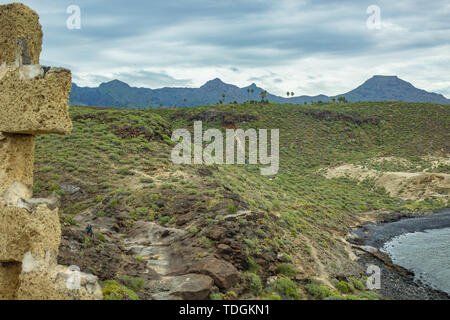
(304, 46)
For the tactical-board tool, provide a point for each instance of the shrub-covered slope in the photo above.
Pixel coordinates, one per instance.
(243, 234)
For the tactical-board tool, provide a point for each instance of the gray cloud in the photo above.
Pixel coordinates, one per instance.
(315, 46)
(152, 79)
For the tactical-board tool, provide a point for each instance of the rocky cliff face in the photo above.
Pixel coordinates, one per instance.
(33, 101)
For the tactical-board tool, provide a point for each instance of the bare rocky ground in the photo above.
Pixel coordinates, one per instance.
(170, 260)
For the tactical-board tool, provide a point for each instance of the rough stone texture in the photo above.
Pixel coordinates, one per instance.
(37, 105)
(215, 233)
(20, 35)
(16, 193)
(224, 274)
(31, 204)
(9, 279)
(21, 231)
(16, 160)
(194, 287)
(33, 100)
(29, 242)
(187, 287)
(43, 279)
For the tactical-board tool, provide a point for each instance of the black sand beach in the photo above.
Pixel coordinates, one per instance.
(398, 285)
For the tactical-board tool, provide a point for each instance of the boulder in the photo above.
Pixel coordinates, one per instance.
(215, 233)
(224, 274)
(223, 248)
(187, 287)
(194, 287)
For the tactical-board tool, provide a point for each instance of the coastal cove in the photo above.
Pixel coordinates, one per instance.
(419, 245)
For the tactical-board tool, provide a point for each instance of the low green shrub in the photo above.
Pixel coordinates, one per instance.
(133, 283)
(114, 291)
(318, 291)
(344, 287)
(254, 282)
(358, 284)
(286, 288)
(287, 269)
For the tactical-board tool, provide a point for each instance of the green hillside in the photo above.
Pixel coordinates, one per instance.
(283, 233)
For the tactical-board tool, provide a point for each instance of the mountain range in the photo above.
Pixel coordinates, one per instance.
(119, 94)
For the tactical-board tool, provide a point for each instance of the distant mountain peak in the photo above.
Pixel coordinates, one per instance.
(378, 76)
(252, 86)
(115, 83)
(215, 82)
(381, 78)
(120, 94)
(386, 82)
(392, 88)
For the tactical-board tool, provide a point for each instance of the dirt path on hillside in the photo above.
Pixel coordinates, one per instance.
(321, 274)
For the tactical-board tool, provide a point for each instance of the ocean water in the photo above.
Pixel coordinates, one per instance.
(426, 253)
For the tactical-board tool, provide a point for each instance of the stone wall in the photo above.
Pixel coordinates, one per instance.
(33, 100)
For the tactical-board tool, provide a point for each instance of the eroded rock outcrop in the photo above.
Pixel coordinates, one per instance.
(33, 100)
(224, 274)
(414, 186)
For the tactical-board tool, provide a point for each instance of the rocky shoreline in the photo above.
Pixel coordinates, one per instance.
(397, 283)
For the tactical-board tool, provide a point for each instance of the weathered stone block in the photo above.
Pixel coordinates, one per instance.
(16, 160)
(20, 35)
(41, 278)
(51, 283)
(34, 100)
(21, 231)
(9, 279)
